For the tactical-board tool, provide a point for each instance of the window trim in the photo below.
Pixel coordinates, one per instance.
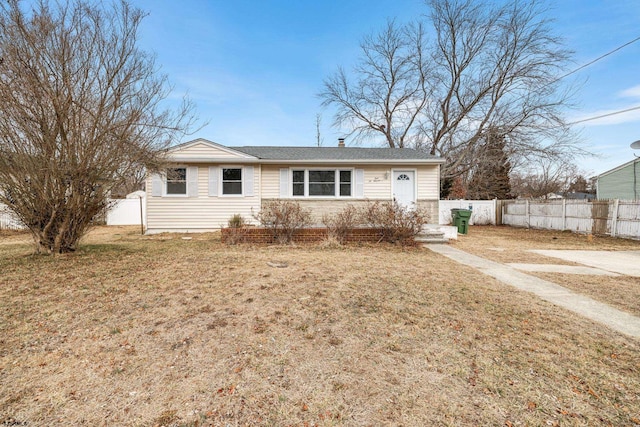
(221, 181)
(336, 192)
(165, 182)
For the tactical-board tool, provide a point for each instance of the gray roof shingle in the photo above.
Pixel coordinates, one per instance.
(333, 153)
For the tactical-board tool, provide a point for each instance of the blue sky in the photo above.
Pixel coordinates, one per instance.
(254, 68)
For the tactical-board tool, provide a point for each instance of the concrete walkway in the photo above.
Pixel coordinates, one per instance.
(623, 262)
(616, 319)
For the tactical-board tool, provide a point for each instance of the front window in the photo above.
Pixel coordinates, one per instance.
(321, 183)
(298, 183)
(345, 183)
(177, 181)
(232, 181)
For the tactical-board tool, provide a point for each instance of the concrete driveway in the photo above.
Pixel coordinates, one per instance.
(621, 262)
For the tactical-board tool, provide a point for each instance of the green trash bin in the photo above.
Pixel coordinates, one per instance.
(461, 219)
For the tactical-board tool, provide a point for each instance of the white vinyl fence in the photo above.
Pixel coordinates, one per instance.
(617, 218)
(123, 212)
(128, 212)
(483, 212)
(8, 221)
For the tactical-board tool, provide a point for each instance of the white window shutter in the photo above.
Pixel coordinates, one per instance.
(359, 192)
(214, 173)
(156, 185)
(192, 181)
(247, 178)
(284, 182)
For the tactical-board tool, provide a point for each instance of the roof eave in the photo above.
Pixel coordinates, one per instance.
(300, 162)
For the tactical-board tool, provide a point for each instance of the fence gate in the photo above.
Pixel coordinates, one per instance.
(600, 215)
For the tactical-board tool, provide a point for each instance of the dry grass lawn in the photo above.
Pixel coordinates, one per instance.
(151, 331)
(507, 245)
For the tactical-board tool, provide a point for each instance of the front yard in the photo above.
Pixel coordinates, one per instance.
(150, 331)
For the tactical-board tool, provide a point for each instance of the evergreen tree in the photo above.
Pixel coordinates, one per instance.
(490, 177)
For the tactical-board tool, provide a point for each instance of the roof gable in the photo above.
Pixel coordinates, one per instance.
(617, 168)
(205, 149)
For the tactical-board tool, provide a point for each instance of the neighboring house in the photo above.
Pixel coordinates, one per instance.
(579, 195)
(208, 182)
(620, 183)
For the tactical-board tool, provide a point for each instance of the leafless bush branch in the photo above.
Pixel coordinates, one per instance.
(283, 218)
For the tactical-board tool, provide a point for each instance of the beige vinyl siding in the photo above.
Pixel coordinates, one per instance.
(198, 213)
(377, 180)
(203, 150)
(428, 182)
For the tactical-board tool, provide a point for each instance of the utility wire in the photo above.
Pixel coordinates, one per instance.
(595, 60)
(614, 113)
(604, 115)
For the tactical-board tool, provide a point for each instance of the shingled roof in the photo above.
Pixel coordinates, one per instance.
(333, 153)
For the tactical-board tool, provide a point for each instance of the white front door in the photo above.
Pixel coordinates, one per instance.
(404, 188)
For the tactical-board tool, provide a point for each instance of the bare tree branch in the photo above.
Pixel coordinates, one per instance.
(487, 67)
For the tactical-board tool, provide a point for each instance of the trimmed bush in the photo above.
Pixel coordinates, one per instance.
(237, 230)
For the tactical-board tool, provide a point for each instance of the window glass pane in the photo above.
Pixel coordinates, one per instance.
(177, 181)
(232, 174)
(345, 189)
(176, 187)
(322, 176)
(298, 189)
(232, 188)
(345, 176)
(177, 174)
(232, 181)
(323, 189)
(298, 177)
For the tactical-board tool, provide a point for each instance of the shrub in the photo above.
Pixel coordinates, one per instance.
(237, 230)
(339, 224)
(398, 224)
(283, 218)
(236, 221)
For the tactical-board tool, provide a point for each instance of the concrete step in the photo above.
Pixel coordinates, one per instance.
(431, 237)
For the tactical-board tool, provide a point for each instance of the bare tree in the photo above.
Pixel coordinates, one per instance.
(487, 66)
(544, 178)
(81, 111)
(390, 91)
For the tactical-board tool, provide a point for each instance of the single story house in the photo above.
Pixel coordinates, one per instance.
(208, 183)
(622, 182)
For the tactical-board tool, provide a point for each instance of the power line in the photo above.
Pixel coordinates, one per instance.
(596, 60)
(604, 115)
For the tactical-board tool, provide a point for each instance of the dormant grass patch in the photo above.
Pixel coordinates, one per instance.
(512, 245)
(157, 330)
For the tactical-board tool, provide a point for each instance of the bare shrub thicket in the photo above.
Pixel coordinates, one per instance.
(398, 224)
(340, 223)
(283, 219)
